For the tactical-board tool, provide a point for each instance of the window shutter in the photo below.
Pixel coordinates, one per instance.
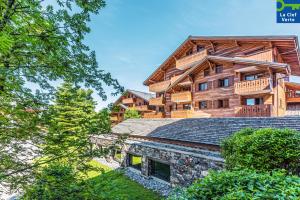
(226, 103)
(196, 87)
(210, 85)
(215, 104)
(231, 80)
(209, 104)
(216, 83)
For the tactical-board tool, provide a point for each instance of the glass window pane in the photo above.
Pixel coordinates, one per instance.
(160, 170)
(250, 102)
(135, 161)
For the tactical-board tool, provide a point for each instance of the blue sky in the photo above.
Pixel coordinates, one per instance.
(133, 37)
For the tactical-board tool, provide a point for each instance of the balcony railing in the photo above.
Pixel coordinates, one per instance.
(264, 56)
(292, 96)
(188, 61)
(128, 101)
(258, 86)
(142, 108)
(159, 101)
(114, 118)
(160, 86)
(181, 113)
(264, 110)
(181, 97)
(151, 115)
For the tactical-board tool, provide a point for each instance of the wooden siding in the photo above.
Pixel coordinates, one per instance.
(142, 108)
(189, 60)
(258, 86)
(160, 86)
(263, 110)
(128, 101)
(181, 114)
(263, 56)
(181, 97)
(159, 101)
(153, 115)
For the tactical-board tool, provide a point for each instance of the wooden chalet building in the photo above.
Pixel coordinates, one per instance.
(131, 99)
(227, 77)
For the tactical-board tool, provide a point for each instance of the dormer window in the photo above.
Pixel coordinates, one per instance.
(200, 48)
(189, 52)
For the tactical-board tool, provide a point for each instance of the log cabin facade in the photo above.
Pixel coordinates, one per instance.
(227, 77)
(131, 99)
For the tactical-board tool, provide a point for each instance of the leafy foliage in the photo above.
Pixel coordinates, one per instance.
(56, 181)
(40, 43)
(263, 149)
(131, 114)
(73, 120)
(59, 182)
(244, 184)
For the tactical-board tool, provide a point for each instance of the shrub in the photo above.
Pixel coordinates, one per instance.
(57, 182)
(131, 114)
(243, 184)
(263, 149)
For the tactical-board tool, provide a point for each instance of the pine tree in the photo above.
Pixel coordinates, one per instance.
(73, 120)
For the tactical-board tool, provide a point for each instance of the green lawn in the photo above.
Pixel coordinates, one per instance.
(113, 185)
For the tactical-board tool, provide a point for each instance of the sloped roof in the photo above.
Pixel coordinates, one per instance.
(277, 66)
(144, 95)
(287, 45)
(209, 131)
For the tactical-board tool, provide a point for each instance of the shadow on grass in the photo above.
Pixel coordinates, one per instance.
(114, 185)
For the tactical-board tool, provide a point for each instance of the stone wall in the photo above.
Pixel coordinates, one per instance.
(186, 164)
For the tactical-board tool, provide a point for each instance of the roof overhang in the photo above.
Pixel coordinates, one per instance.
(278, 67)
(293, 49)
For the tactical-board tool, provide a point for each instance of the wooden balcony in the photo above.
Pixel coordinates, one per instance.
(114, 118)
(292, 96)
(128, 101)
(181, 97)
(264, 56)
(142, 108)
(181, 113)
(160, 86)
(156, 101)
(183, 82)
(258, 86)
(264, 110)
(153, 115)
(188, 61)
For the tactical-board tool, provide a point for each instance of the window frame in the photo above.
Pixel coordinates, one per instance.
(223, 103)
(203, 83)
(206, 105)
(221, 82)
(218, 67)
(130, 164)
(153, 170)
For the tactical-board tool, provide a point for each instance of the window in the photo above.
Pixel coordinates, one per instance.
(203, 86)
(219, 69)
(254, 101)
(223, 103)
(253, 77)
(206, 72)
(189, 52)
(186, 106)
(135, 161)
(159, 170)
(203, 105)
(223, 82)
(200, 48)
(161, 109)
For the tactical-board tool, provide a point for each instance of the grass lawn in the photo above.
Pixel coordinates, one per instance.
(114, 185)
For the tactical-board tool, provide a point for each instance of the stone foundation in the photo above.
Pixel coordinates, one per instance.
(186, 164)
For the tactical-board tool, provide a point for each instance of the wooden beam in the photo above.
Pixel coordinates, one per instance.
(212, 45)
